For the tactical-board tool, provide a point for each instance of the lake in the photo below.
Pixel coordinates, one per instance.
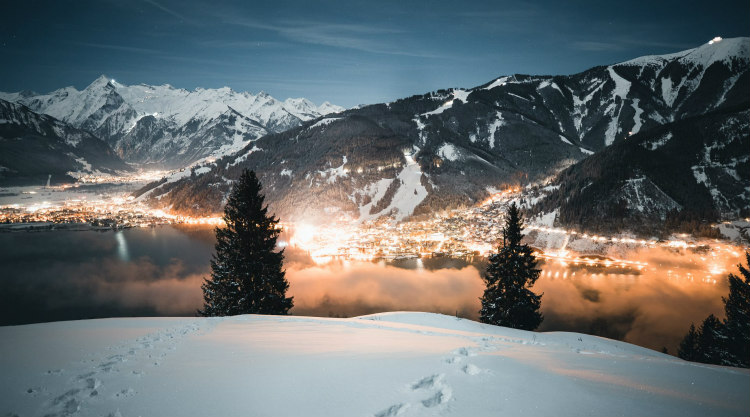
(68, 275)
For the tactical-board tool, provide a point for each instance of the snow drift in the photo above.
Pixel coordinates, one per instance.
(380, 365)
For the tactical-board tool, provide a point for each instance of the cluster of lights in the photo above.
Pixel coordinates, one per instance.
(116, 211)
(566, 258)
(144, 176)
(458, 234)
(673, 243)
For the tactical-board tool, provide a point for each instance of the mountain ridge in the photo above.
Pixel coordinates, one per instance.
(34, 147)
(466, 142)
(112, 111)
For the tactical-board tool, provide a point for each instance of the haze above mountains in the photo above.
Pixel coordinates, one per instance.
(437, 150)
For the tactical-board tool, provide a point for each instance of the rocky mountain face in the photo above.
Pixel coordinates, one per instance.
(167, 126)
(453, 147)
(34, 146)
(686, 172)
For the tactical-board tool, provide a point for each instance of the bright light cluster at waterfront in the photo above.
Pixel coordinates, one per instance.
(469, 233)
(116, 211)
(476, 232)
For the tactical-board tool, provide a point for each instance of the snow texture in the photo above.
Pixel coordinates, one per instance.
(497, 83)
(644, 196)
(332, 174)
(493, 127)
(637, 121)
(324, 122)
(658, 143)
(409, 194)
(386, 364)
(449, 152)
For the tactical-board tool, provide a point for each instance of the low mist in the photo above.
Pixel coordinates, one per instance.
(159, 273)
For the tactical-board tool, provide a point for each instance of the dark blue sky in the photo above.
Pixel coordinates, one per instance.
(347, 52)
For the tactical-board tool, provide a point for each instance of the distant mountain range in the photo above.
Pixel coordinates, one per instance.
(170, 127)
(453, 147)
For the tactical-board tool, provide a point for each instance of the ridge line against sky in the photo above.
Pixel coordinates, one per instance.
(345, 52)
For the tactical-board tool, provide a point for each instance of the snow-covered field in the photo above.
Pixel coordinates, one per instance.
(381, 365)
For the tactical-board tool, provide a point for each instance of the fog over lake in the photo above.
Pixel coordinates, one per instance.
(67, 275)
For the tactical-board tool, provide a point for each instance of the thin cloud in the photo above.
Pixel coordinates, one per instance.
(347, 36)
(619, 44)
(658, 44)
(217, 43)
(596, 46)
(169, 11)
(521, 13)
(122, 48)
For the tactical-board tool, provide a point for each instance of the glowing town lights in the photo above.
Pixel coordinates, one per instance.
(715, 270)
(465, 233)
(303, 235)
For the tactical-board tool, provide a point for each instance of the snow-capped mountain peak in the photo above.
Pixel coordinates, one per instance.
(113, 111)
(704, 55)
(327, 108)
(100, 82)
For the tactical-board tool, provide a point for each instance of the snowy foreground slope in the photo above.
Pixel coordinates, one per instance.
(380, 365)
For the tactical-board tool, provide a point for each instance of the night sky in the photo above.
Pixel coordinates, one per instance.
(347, 52)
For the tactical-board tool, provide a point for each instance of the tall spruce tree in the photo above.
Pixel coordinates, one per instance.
(246, 270)
(508, 300)
(711, 341)
(688, 349)
(728, 342)
(737, 323)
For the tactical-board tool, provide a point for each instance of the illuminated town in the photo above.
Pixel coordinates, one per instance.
(469, 233)
(474, 233)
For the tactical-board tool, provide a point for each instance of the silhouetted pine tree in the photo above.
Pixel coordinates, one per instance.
(724, 343)
(688, 349)
(246, 270)
(507, 299)
(737, 323)
(711, 341)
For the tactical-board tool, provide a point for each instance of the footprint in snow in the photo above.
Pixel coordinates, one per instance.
(394, 410)
(126, 393)
(464, 351)
(34, 391)
(471, 369)
(442, 393)
(442, 396)
(453, 359)
(428, 382)
(68, 403)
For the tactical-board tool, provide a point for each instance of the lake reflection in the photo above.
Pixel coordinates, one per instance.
(66, 275)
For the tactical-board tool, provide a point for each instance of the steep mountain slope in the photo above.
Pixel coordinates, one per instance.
(698, 167)
(169, 126)
(33, 146)
(450, 147)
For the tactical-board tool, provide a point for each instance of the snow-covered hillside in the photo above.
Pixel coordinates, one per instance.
(388, 364)
(520, 128)
(146, 123)
(34, 147)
